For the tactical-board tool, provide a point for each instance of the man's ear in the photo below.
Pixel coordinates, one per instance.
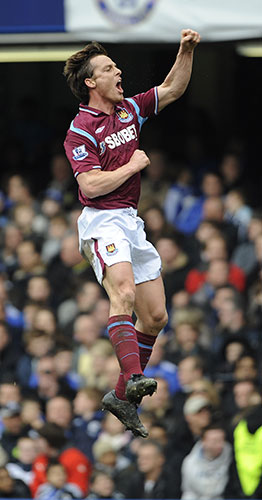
(91, 84)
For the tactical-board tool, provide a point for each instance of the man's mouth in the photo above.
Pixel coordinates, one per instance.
(119, 86)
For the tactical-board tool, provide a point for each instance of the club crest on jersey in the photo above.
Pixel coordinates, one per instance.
(80, 152)
(111, 249)
(124, 116)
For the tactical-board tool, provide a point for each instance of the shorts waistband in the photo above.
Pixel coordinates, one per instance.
(129, 210)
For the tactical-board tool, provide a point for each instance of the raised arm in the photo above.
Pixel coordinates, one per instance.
(178, 78)
(98, 183)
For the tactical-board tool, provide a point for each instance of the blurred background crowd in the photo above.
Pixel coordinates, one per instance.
(203, 213)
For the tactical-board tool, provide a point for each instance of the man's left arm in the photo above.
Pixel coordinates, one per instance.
(178, 78)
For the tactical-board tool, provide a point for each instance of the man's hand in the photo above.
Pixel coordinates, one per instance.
(139, 160)
(189, 40)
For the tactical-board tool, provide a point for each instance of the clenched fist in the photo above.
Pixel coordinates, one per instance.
(189, 40)
(139, 160)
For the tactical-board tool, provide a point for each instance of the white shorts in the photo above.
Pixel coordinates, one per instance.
(107, 237)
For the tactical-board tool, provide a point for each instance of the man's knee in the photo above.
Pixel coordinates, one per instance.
(157, 320)
(124, 294)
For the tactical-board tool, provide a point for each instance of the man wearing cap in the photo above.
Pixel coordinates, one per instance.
(197, 414)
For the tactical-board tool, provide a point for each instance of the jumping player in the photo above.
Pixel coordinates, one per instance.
(102, 145)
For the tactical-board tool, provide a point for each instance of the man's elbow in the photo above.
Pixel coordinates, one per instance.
(89, 191)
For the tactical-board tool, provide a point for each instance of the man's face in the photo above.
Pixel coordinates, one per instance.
(149, 458)
(106, 79)
(9, 392)
(213, 443)
(58, 410)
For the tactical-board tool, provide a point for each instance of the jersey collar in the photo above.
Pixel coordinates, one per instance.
(93, 111)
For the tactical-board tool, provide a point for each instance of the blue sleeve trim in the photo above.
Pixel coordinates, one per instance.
(156, 101)
(82, 132)
(141, 120)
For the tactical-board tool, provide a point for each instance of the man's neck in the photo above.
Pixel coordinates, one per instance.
(101, 104)
(153, 475)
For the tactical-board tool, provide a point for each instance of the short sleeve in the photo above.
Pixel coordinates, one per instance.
(82, 153)
(145, 104)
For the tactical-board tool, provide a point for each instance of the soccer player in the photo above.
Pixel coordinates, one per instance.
(102, 145)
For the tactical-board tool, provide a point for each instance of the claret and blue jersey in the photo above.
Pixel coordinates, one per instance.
(96, 140)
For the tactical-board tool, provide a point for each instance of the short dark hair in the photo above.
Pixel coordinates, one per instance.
(215, 425)
(78, 68)
(53, 462)
(54, 435)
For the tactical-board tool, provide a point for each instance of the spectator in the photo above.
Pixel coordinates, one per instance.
(152, 479)
(86, 332)
(238, 212)
(215, 249)
(233, 349)
(86, 297)
(9, 351)
(56, 486)
(160, 367)
(29, 264)
(189, 220)
(47, 384)
(205, 471)
(175, 262)
(179, 196)
(244, 254)
(197, 414)
(9, 390)
(241, 397)
(55, 445)
(12, 237)
(45, 320)
(8, 312)
(86, 425)
(38, 290)
(154, 183)
(12, 488)
(217, 275)
(246, 367)
(101, 314)
(233, 322)
(160, 404)
(65, 268)
(20, 467)
(93, 373)
(56, 231)
(61, 179)
(36, 344)
(231, 169)
(102, 486)
(245, 478)
(64, 363)
(31, 413)
(13, 426)
(155, 223)
(59, 411)
(185, 341)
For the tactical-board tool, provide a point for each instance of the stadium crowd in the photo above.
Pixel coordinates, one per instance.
(56, 360)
